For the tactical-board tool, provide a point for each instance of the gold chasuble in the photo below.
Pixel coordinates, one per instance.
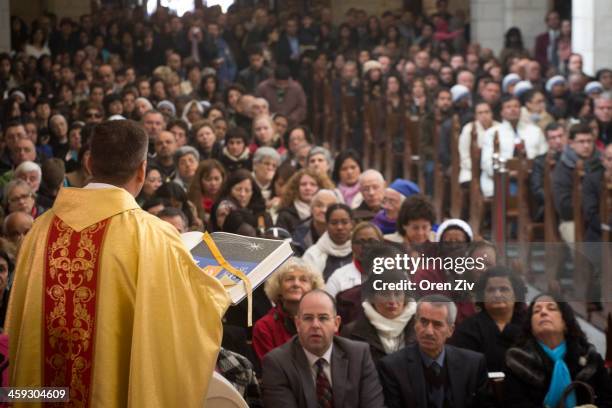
(107, 301)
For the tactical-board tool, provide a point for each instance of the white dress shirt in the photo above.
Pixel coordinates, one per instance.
(312, 362)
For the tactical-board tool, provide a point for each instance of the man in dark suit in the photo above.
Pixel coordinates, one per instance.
(430, 373)
(546, 43)
(317, 369)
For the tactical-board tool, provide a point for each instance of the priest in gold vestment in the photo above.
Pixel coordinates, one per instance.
(107, 300)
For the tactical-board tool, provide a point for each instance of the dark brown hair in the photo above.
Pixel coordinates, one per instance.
(117, 150)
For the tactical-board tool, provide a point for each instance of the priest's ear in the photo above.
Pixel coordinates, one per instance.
(141, 173)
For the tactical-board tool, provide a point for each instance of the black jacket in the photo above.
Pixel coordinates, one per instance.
(403, 378)
(480, 333)
(591, 190)
(530, 371)
(563, 181)
(250, 78)
(288, 218)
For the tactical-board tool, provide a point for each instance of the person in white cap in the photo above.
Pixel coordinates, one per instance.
(521, 87)
(556, 85)
(509, 82)
(460, 93)
(515, 137)
(593, 89)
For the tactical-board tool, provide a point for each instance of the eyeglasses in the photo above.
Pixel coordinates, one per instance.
(93, 115)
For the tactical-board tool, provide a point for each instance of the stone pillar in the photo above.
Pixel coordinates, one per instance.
(591, 33)
(490, 19)
(5, 26)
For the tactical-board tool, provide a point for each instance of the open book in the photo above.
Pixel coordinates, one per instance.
(257, 258)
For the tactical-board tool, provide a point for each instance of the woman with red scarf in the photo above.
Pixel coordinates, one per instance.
(284, 288)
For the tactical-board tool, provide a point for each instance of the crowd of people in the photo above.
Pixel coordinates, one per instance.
(225, 100)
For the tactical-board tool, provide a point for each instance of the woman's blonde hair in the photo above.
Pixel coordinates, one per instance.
(293, 185)
(274, 283)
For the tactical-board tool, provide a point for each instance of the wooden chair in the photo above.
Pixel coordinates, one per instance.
(318, 106)
(392, 128)
(552, 242)
(582, 277)
(605, 216)
(438, 176)
(578, 216)
(329, 114)
(456, 193)
(413, 161)
(348, 120)
(476, 209)
(370, 126)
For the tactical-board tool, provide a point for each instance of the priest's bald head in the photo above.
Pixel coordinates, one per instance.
(119, 155)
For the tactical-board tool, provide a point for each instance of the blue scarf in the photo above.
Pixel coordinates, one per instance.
(560, 377)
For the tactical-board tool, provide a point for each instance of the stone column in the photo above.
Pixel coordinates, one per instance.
(5, 26)
(592, 33)
(490, 19)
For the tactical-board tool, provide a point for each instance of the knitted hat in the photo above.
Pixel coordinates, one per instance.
(405, 187)
(167, 104)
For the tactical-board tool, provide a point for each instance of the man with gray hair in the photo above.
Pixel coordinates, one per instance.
(431, 373)
(372, 191)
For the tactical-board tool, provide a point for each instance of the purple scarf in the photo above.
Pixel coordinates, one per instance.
(348, 192)
(386, 225)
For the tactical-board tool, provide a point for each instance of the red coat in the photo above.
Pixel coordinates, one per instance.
(272, 330)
